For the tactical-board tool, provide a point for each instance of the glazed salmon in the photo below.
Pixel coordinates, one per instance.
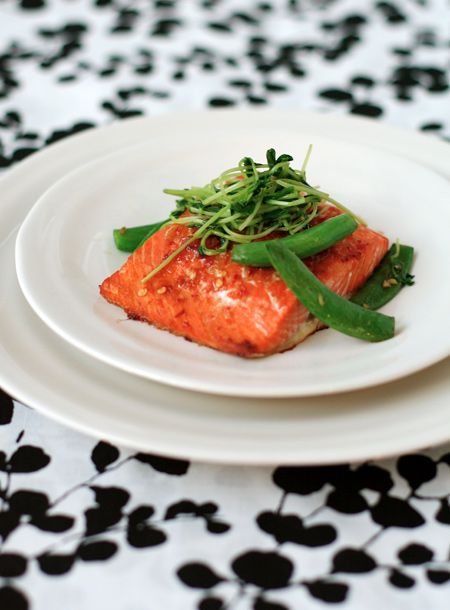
(240, 310)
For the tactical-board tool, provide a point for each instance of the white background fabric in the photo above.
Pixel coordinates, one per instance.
(385, 541)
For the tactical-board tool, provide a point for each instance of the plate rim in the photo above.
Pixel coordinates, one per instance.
(67, 153)
(64, 328)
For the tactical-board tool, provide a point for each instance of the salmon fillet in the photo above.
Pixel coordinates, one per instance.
(240, 310)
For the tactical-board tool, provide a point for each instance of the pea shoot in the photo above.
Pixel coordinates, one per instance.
(248, 202)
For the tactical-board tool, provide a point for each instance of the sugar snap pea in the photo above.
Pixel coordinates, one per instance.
(329, 307)
(130, 239)
(389, 277)
(303, 244)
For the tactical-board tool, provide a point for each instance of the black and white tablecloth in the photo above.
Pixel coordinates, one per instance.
(86, 524)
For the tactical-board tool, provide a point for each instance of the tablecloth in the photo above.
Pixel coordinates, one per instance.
(87, 524)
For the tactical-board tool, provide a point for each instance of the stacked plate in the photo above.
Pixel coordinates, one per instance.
(74, 357)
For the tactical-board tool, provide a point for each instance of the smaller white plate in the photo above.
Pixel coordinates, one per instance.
(65, 249)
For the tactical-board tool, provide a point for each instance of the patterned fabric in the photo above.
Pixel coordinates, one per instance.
(85, 524)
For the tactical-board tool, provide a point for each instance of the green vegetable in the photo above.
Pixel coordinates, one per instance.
(387, 279)
(303, 244)
(248, 202)
(130, 239)
(332, 309)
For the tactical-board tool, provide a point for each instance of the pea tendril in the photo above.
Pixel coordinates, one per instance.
(248, 202)
(398, 268)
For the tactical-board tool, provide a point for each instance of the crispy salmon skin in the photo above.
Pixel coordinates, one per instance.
(240, 310)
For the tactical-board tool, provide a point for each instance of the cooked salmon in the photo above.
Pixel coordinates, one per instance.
(240, 310)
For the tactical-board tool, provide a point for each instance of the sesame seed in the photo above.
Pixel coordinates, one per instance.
(219, 282)
(161, 290)
(142, 292)
(320, 299)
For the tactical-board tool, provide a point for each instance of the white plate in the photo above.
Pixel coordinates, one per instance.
(71, 229)
(61, 382)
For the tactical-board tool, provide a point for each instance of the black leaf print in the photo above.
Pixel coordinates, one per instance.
(211, 603)
(64, 133)
(23, 153)
(363, 81)
(126, 20)
(416, 469)
(274, 87)
(256, 100)
(3, 461)
(446, 457)
(12, 599)
(401, 580)
(341, 477)
(53, 523)
(337, 95)
(391, 12)
(348, 502)
(221, 102)
(6, 408)
(198, 576)
(12, 565)
(443, 514)
(366, 110)
(69, 38)
(120, 113)
(216, 527)
(438, 577)
(9, 520)
(110, 502)
(162, 464)
(27, 502)
(144, 536)
(11, 119)
(373, 477)
(103, 455)
(353, 561)
(394, 512)
(141, 514)
(188, 507)
(32, 4)
(27, 459)
(35, 505)
(290, 528)
(206, 511)
(113, 497)
(347, 40)
(97, 551)
(55, 564)
(406, 78)
(265, 569)
(415, 554)
(331, 592)
(302, 481)
(262, 604)
(164, 27)
(141, 534)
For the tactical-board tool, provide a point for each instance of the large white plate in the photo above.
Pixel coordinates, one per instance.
(71, 229)
(61, 382)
